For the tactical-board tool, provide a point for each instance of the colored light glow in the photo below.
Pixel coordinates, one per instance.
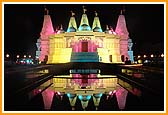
(27, 61)
(144, 56)
(80, 97)
(88, 97)
(100, 94)
(162, 55)
(69, 95)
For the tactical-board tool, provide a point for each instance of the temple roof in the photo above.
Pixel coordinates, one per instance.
(96, 27)
(121, 27)
(47, 28)
(84, 24)
(72, 23)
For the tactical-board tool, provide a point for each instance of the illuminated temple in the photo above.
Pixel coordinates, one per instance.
(84, 43)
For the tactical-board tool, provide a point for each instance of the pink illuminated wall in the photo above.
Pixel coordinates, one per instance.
(47, 30)
(121, 30)
(82, 83)
(47, 98)
(77, 47)
(121, 95)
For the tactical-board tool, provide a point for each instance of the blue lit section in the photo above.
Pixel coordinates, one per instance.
(80, 28)
(100, 94)
(88, 97)
(69, 95)
(84, 28)
(71, 29)
(68, 30)
(80, 97)
(100, 30)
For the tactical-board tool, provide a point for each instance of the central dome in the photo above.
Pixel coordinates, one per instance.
(84, 27)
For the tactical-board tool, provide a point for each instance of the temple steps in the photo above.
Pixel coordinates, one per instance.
(84, 57)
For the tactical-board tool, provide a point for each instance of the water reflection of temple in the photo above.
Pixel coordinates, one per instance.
(93, 93)
(84, 43)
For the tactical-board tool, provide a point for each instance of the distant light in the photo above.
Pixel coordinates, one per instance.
(7, 55)
(162, 55)
(29, 56)
(144, 56)
(152, 55)
(146, 61)
(17, 56)
(139, 61)
(24, 56)
(139, 56)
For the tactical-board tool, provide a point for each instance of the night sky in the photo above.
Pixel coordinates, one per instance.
(23, 24)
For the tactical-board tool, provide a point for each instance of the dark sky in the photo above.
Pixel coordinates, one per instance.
(23, 23)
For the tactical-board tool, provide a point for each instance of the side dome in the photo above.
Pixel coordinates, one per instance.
(97, 29)
(71, 29)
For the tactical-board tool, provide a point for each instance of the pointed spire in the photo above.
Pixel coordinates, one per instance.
(107, 28)
(96, 27)
(72, 27)
(61, 28)
(122, 10)
(47, 24)
(96, 13)
(72, 13)
(84, 24)
(121, 28)
(46, 10)
(84, 9)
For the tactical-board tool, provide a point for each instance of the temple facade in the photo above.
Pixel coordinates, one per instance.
(84, 43)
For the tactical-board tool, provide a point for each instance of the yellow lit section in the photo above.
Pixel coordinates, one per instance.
(60, 55)
(103, 55)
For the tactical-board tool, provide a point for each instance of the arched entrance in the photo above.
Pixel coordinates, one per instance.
(84, 46)
(122, 58)
(110, 57)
